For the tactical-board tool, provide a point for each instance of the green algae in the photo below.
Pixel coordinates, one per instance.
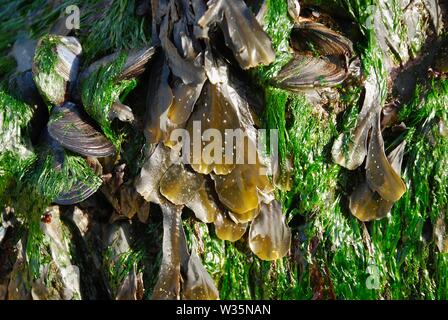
(100, 90)
(114, 28)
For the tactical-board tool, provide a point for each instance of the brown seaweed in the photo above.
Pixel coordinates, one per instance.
(198, 283)
(269, 235)
(227, 229)
(203, 203)
(147, 184)
(366, 204)
(349, 150)
(174, 253)
(243, 35)
(179, 185)
(380, 175)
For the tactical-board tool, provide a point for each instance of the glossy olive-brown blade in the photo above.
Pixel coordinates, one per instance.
(198, 283)
(159, 99)
(224, 113)
(185, 97)
(380, 175)
(367, 205)
(55, 67)
(350, 150)
(239, 190)
(227, 229)
(269, 236)
(179, 185)
(245, 216)
(304, 72)
(243, 35)
(190, 71)
(168, 281)
(70, 128)
(147, 184)
(203, 203)
(178, 113)
(213, 112)
(317, 38)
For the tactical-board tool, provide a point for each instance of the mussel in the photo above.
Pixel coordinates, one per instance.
(321, 58)
(71, 129)
(55, 67)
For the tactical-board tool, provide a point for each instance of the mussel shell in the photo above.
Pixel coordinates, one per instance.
(78, 193)
(304, 72)
(70, 128)
(56, 82)
(80, 190)
(317, 38)
(23, 52)
(134, 66)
